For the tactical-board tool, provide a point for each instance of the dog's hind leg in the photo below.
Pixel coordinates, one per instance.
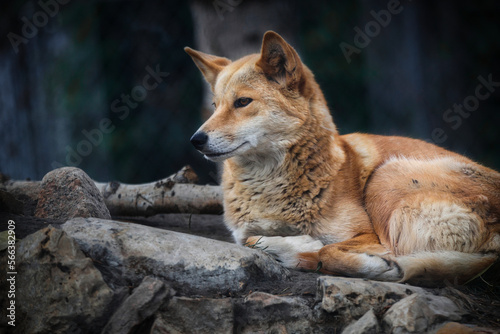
(362, 256)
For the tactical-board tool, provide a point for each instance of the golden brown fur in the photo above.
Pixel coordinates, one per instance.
(388, 208)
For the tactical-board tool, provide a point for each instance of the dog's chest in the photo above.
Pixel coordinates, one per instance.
(270, 206)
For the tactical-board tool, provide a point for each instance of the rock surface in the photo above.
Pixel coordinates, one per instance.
(367, 324)
(101, 276)
(420, 312)
(68, 192)
(58, 289)
(261, 312)
(353, 297)
(195, 315)
(145, 300)
(129, 252)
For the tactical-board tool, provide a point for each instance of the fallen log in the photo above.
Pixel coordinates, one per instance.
(174, 194)
(160, 197)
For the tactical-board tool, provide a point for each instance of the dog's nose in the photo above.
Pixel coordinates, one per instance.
(199, 139)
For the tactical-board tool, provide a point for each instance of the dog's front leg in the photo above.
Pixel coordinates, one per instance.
(285, 249)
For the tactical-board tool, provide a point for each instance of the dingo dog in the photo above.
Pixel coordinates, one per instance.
(358, 205)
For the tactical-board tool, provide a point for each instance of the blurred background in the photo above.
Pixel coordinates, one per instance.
(104, 85)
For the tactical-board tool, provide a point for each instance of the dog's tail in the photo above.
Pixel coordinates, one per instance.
(434, 268)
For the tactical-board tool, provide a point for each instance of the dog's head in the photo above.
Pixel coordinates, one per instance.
(260, 100)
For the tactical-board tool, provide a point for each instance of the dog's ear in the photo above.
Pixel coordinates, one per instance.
(210, 66)
(279, 61)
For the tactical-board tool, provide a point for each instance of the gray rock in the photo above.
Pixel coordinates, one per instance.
(419, 312)
(58, 289)
(67, 193)
(195, 315)
(266, 313)
(128, 252)
(140, 305)
(367, 324)
(351, 298)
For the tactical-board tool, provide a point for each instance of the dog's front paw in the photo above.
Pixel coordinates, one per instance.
(285, 249)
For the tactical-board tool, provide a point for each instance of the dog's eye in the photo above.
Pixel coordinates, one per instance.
(215, 106)
(242, 102)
